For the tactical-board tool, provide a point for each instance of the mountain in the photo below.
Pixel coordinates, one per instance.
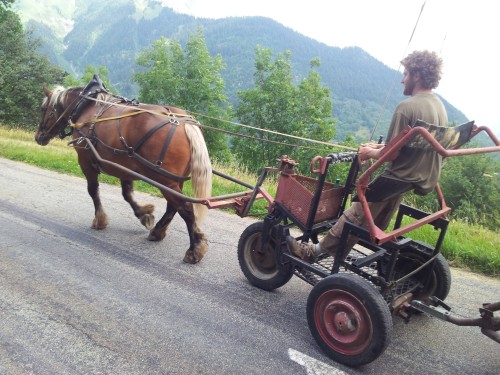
(92, 32)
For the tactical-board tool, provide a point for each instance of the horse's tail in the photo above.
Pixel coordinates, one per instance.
(201, 168)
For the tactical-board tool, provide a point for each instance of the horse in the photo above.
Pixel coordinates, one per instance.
(162, 143)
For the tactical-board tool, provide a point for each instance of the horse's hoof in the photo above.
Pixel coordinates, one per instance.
(99, 225)
(100, 221)
(148, 208)
(154, 237)
(190, 258)
(199, 252)
(148, 221)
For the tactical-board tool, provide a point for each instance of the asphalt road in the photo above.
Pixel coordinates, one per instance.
(78, 301)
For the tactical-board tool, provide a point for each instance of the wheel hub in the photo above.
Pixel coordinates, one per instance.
(343, 323)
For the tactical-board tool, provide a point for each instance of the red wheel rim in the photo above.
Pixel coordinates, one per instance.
(263, 258)
(343, 322)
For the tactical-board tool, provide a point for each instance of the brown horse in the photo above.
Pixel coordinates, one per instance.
(162, 143)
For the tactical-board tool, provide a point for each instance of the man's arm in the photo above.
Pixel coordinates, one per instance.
(370, 151)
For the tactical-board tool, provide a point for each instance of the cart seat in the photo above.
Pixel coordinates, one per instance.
(385, 187)
(448, 137)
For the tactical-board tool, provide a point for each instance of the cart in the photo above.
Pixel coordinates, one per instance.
(353, 301)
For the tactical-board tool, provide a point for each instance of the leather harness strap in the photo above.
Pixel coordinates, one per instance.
(171, 132)
(131, 151)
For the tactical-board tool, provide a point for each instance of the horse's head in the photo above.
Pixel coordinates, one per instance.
(55, 116)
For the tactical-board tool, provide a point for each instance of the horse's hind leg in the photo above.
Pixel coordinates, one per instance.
(159, 231)
(198, 242)
(143, 213)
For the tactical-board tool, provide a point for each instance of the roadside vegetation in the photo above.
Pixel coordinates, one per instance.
(466, 245)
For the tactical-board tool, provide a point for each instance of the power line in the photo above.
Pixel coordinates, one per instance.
(391, 89)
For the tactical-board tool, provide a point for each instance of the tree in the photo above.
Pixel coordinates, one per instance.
(188, 79)
(86, 77)
(315, 109)
(4, 6)
(270, 105)
(161, 79)
(471, 191)
(277, 105)
(24, 72)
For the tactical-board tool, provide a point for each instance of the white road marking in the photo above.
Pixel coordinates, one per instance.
(312, 365)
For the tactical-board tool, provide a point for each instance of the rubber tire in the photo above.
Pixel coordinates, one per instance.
(441, 278)
(260, 268)
(346, 298)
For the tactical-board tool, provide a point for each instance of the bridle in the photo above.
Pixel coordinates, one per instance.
(53, 112)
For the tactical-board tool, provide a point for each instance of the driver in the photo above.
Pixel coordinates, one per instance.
(422, 73)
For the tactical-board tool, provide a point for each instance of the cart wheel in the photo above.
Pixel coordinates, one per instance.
(259, 265)
(349, 319)
(440, 282)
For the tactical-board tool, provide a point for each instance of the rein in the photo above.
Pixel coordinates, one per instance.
(171, 114)
(80, 124)
(238, 124)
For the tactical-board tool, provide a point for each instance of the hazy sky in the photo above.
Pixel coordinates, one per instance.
(465, 33)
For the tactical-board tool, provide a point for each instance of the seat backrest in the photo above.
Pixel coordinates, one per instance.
(448, 137)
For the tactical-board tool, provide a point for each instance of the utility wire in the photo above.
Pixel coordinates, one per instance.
(391, 89)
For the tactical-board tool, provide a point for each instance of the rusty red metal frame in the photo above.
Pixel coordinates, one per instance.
(487, 321)
(378, 236)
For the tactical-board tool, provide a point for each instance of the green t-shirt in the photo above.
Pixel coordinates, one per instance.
(420, 166)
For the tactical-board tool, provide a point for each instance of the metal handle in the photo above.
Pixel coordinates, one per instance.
(315, 160)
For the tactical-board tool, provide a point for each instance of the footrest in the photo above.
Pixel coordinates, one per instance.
(369, 259)
(402, 242)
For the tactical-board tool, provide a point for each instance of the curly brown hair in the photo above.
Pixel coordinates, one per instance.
(427, 64)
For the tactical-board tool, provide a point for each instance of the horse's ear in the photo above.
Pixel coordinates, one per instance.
(46, 91)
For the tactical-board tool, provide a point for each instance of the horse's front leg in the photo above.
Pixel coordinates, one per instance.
(198, 243)
(143, 213)
(100, 219)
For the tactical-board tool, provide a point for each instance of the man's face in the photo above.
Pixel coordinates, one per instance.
(408, 82)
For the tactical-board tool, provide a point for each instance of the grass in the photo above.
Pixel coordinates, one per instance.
(471, 247)
(466, 246)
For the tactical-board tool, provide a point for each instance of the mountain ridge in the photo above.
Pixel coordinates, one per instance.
(360, 85)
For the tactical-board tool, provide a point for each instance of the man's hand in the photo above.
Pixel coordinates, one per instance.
(370, 151)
